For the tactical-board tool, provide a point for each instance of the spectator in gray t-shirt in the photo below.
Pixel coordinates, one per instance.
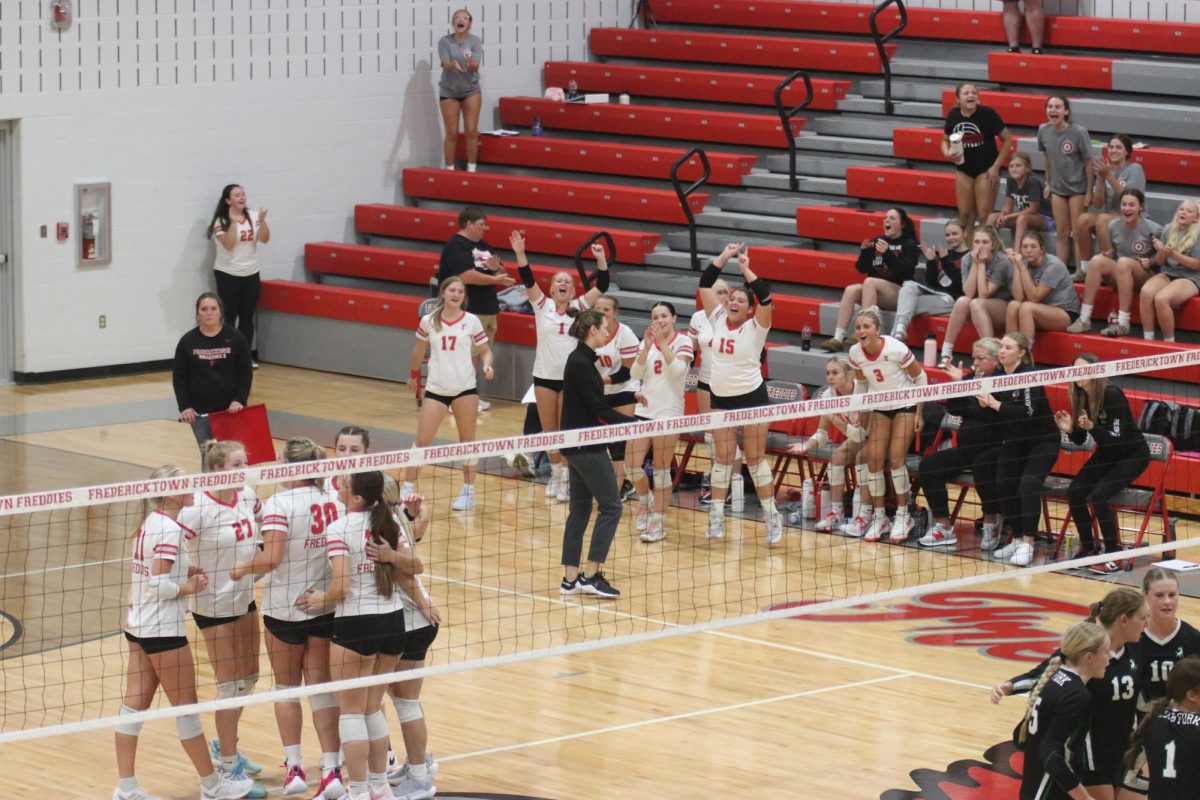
(987, 275)
(1177, 252)
(1068, 156)
(460, 52)
(1115, 173)
(1044, 297)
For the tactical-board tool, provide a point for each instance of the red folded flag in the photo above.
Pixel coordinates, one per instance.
(250, 427)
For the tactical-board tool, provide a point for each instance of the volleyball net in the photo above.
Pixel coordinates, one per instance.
(493, 571)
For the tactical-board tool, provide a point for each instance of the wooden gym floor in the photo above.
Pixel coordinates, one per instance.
(847, 705)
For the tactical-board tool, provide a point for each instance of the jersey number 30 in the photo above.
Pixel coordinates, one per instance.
(322, 516)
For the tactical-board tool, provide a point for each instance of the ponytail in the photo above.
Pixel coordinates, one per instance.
(584, 321)
(1080, 639)
(1137, 740)
(1052, 667)
(383, 526)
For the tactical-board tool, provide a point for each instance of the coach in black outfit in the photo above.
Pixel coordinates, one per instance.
(469, 256)
(213, 369)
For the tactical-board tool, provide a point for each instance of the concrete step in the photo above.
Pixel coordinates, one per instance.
(871, 105)
(859, 127)
(776, 205)
(636, 304)
(678, 259)
(906, 90)
(714, 241)
(844, 145)
(755, 223)
(655, 284)
(952, 71)
(824, 167)
(806, 183)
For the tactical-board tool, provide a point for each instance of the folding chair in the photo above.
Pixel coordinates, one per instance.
(782, 434)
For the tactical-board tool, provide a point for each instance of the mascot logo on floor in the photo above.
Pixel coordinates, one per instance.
(997, 777)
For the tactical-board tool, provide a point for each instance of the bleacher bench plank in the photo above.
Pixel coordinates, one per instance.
(841, 224)
(1077, 72)
(905, 186)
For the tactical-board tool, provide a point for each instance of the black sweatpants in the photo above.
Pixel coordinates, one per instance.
(240, 298)
(945, 465)
(1097, 483)
(591, 476)
(1021, 470)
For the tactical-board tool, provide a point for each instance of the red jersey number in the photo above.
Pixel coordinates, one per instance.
(243, 530)
(448, 342)
(725, 347)
(322, 516)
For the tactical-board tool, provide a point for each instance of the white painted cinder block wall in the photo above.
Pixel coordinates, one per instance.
(313, 105)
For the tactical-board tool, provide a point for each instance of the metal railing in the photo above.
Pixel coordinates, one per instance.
(643, 14)
(683, 194)
(881, 41)
(586, 278)
(786, 115)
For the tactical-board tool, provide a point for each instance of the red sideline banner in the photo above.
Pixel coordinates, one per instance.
(248, 426)
(416, 456)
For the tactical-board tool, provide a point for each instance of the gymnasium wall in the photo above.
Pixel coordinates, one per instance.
(1168, 10)
(313, 105)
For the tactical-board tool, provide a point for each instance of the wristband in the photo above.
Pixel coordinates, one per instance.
(415, 375)
(762, 291)
(710, 275)
(526, 273)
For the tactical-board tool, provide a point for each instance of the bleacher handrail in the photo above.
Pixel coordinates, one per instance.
(584, 278)
(683, 194)
(785, 118)
(881, 40)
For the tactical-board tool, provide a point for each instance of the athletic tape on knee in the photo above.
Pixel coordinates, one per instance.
(322, 701)
(721, 474)
(376, 726)
(352, 728)
(876, 484)
(662, 478)
(900, 480)
(189, 726)
(227, 690)
(407, 710)
(279, 687)
(761, 472)
(129, 728)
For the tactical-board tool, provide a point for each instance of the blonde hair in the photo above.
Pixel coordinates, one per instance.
(989, 345)
(215, 452)
(165, 471)
(302, 448)
(872, 312)
(1081, 639)
(990, 232)
(1023, 158)
(435, 316)
(1180, 239)
(1022, 342)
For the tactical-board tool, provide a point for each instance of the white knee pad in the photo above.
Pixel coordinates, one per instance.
(280, 687)
(227, 690)
(900, 480)
(877, 485)
(837, 476)
(352, 728)
(377, 727)
(322, 701)
(762, 474)
(129, 728)
(408, 710)
(189, 726)
(662, 478)
(720, 476)
(245, 686)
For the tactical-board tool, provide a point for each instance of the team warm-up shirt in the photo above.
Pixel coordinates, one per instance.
(1054, 273)
(242, 260)
(1054, 730)
(700, 330)
(1160, 655)
(736, 368)
(302, 515)
(621, 345)
(451, 370)
(1172, 750)
(1033, 192)
(554, 343)
(218, 535)
(1068, 152)
(1130, 176)
(347, 538)
(160, 537)
(998, 272)
(1135, 243)
(662, 383)
(210, 372)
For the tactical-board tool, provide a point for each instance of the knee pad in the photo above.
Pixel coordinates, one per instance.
(837, 476)
(860, 474)
(322, 701)
(761, 472)
(900, 481)
(408, 710)
(189, 726)
(245, 686)
(227, 690)
(662, 478)
(377, 727)
(721, 474)
(281, 687)
(877, 485)
(129, 728)
(352, 728)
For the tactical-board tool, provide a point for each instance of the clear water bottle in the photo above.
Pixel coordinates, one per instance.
(737, 488)
(808, 500)
(806, 338)
(572, 89)
(537, 126)
(931, 350)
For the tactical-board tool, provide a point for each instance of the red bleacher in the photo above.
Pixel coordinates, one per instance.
(1014, 108)
(712, 86)
(809, 267)
(610, 158)
(541, 236)
(721, 48)
(664, 122)
(841, 224)
(904, 186)
(1078, 72)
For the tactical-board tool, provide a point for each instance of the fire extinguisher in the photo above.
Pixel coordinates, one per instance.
(88, 234)
(60, 14)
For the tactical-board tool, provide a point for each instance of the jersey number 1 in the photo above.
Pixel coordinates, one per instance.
(1169, 764)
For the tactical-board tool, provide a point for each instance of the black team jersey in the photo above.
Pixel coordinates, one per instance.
(1172, 749)
(1158, 656)
(1055, 730)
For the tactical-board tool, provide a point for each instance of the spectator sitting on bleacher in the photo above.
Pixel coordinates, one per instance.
(1113, 174)
(1178, 253)
(942, 286)
(1034, 16)
(1067, 148)
(978, 160)
(1127, 265)
(1044, 296)
(986, 289)
(887, 261)
(1025, 204)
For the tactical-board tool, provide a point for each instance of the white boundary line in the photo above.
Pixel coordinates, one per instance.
(64, 567)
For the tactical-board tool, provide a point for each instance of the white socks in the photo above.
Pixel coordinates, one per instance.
(840, 334)
(1085, 313)
(1123, 318)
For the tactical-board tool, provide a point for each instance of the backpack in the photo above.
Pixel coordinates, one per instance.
(1185, 428)
(1159, 417)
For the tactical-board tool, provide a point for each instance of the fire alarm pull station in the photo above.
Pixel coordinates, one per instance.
(64, 231)
(93, 215)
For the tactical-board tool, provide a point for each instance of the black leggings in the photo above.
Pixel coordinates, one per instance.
(1097, 483)
(240, 298)
(1020, 472)
(946, 465)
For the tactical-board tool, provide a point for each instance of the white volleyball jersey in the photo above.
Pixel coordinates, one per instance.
(413, 618)
(888, 369)
(664, 394)
(554, 343)
(160, 537)
(736, 353)
(242, 259)
(347, 538)
(621, 345)
(218, 535)
(700, 329)
(451, 370)
(302, 516)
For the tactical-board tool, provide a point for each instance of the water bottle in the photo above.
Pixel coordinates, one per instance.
(1070, 544)
(808, 500)
(806, 338)
(738, 490)
(623, 99)
(825, 501)
(537, 126)
(931, 350)
(572, 90)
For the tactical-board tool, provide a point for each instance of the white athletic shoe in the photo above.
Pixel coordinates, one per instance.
(902, 526)
(830, 522)
(858, 526)
(564, 492)
(880, 525)
(484, 405)
(655, 530)
(938, 536)
(412, 788)
(716, 526)
(398, 772)
(228, 787)
(1006, 552)
(465, 500)
(331, 787)
(138, 793)
(774, 523)
(1022, 556)
(553, 483)
(642, 518)
(989, 537)
(296, 781)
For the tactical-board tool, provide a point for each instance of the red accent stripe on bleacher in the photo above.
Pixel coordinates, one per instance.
(901, 185)
(808, 267)
(918, 144)
(841, 224)
(1077, 72)
(1013, 107)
